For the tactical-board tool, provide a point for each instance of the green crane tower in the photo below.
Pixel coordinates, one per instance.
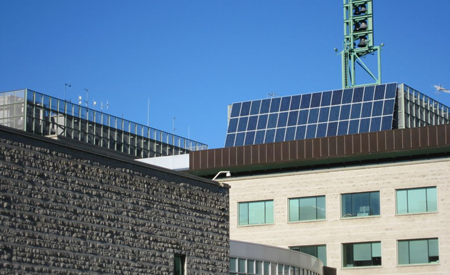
(358, 42)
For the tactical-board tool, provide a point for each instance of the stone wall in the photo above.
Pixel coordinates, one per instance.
(65, 210)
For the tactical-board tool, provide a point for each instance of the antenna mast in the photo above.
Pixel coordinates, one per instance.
(358, 41)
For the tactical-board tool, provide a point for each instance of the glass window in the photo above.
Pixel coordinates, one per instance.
(306, 99)
(245, 109)
(290, 134)
(179, 265)
(275, 105)
(251, 266)
(282, 120)
(306, 209)
(243, 124)
(313, 115)
(362, 254)
(337, 97)
(324, 112)
(295, 102)
(285, 103)
(270, 136)
(255, 107)
(311, 132)
(368, 93)
(252, 123)
(262, 122)
(417, 200)
(259, 212)
(303, 117)
(318, 251)
(379, 92)
(358, 94)
(361, 204)
(315, 101)
(265, 104)
(293, 116)
(326, 99)
(241, 266)
(233, 125)
(348, 95)
(424, 251)
(249, 138)
(233, 264)
(235, 109)
(301, 131)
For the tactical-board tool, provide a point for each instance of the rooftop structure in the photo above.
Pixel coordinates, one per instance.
(332, 113)
(41, 114)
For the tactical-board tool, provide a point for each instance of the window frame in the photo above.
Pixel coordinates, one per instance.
(299, 212)
(407, 200)
(409, 251)
(248, 213)
(361, 216)
(344, 257)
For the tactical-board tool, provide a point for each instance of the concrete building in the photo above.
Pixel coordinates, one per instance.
(368, 203)
(68, 207)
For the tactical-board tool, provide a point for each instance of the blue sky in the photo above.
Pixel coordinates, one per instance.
(192, 58)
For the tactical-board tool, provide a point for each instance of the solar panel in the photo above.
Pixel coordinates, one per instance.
(322, 114)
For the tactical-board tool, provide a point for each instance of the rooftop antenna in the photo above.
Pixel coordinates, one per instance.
(272, 95)
(358, 42)
(174, 125)
(65, 89)
(148, 113)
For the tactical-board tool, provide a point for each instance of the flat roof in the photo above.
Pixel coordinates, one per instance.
(319, 152)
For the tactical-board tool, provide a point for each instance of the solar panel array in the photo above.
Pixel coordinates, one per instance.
(322, 114)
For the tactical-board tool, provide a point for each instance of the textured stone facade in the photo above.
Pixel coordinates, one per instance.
(334, 231)
(65, 210)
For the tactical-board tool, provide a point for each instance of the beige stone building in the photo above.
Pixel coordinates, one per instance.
(364, 204)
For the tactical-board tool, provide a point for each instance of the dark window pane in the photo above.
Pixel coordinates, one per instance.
(334, 115)
(313, 115)
(260, 137)
(245, 110)
(337, 97)
(311, 133)
(280, 134)
(295, 104)
(367, 109)
(358, 94)
(243, 124)
(348, 96)
(356, 110)
(386, 123)
(252, 123)
(306, 99)
(315, 102)
(368, 93)
(324, 113)
(249, 138)
(301, 130)
(235, 109)
(285, 103)
(255, 107)
(230, 140)
(321, 130)
(273, 118)
(375, 124)
(293, 116)
(262, 122)
(275, 105)
(332, 129)
(265, 106)
(379, 92)
(239, 139)
(282, 120)
(377, 108)
(290, 134)
(388, 107)
(391, 90)
(345, 112)
(354, 127)
(270, 136)
(233, 125)
(303, 117)
(343, 128)
(326, 99)
(364, 125)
